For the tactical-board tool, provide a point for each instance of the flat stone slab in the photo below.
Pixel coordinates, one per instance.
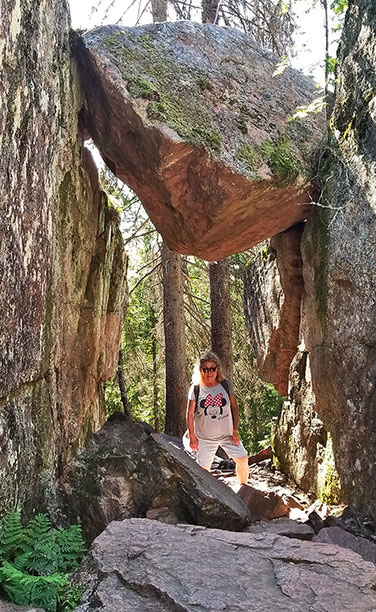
(284, 527)
(192, 119)
(143, 565)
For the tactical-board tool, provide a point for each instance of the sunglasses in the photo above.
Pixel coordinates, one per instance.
(206, 370)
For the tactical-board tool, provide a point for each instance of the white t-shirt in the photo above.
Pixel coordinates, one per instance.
(213, 417)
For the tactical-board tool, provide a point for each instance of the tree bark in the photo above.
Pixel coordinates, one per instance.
(175, 344)
(155, 383)
(159, 10)
(221, 335)
(209, 11)
(123, 392)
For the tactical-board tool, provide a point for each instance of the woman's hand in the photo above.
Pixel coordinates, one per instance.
(193, 442)
(235, 437)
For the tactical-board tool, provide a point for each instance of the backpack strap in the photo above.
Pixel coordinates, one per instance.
(197, 392)
(224, 384)
(226, 387)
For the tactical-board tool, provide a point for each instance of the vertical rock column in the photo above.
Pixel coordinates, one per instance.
(61, 258)
(339, 254)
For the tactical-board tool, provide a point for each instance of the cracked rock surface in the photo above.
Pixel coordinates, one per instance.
(142, 565)
(192, 119)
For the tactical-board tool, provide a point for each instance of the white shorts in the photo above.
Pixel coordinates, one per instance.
(208, 448)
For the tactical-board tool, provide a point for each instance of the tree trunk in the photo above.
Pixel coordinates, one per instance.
(159, 10)
(221, 336)
(209, 11)
(155, 383)
(175, 344)
(123, 392)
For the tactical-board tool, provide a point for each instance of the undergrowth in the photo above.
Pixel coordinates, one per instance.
(36, 560)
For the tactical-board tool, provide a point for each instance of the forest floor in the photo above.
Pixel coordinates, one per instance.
(267, 478)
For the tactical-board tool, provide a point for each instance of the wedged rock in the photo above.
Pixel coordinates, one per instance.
(283, 527)
(273, 288)
(143, 565)
(266, 504)
(191, 118)
(125, 472)
(337, 535)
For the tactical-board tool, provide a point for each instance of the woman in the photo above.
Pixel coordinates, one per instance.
(213, 418)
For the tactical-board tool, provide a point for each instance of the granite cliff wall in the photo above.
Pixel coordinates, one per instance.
(62, 264)
(333, 376)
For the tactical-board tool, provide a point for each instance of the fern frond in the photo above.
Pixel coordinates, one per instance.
(14, 538)
(21, 562)
(72, 547)
(24, 589)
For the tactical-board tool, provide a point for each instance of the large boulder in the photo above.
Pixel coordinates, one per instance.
(125, 471)
(336, 535)
(273, 288)
(62, 261)
(333, 375)
(143, 565)
(191, 118)
(338, 327)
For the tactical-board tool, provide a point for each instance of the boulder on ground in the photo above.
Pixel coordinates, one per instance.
(143, 565)
(267, 504)
(284, 527)
(337, 535)
(6, 606)
(125, 471)
(192, 119)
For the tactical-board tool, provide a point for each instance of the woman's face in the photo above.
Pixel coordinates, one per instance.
(209, 372)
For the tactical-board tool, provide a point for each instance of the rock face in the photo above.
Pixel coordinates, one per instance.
(333, 376)
(303, 446)
(273, 288)
(190, 117)
(126, 471)
(62, 264)
(339, 254)
(143, 565)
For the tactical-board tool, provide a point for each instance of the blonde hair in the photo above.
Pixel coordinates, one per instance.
(208, 356)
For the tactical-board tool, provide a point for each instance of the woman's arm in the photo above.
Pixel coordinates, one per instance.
(193, 441)
(235, 420)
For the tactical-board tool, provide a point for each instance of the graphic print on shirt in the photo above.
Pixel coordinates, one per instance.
(213, 406)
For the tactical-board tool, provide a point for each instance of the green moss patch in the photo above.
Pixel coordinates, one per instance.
(174, 92)
(281, 159)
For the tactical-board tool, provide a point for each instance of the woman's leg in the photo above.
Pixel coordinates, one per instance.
(239, 455)
(242, 469)
(206, 452)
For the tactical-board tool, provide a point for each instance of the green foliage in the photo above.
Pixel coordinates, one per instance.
(259, 411)
(250, 157)
(280, 67)
(35, 560)
(281, 159)
(316, 106)
(339, 6)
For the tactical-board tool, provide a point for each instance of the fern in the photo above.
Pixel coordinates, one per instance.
(35, 560)
(14, 538)
(72, 547)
